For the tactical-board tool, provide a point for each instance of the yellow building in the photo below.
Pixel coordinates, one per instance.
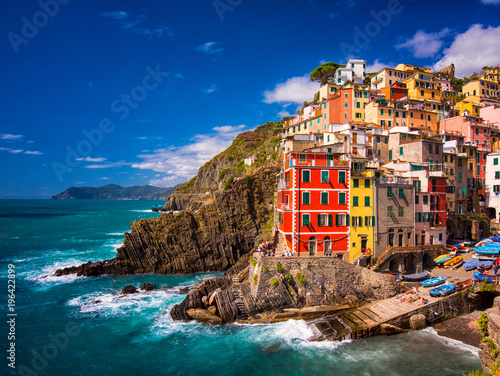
(491, 74)
(360, 98)
(423, 86)
(412, 68)
(470, 104)
(362, 213)
(380, 112)
(481, 88)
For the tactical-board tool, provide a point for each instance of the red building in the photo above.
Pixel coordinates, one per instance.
(313, 204)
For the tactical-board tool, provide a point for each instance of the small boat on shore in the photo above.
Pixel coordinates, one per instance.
(394, 273)
(471, 265)
(485, 264)
(490, 278)
(442, 256)
(454, 261)
(442, 290)
(415, 277)
(433, 282)
(443, 260)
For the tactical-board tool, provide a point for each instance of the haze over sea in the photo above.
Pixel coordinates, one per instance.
(134, 334)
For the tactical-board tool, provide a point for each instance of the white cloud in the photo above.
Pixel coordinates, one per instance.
(490, 2)
(107, 165)
(472, 50)
(210, 90)
(378, 65)
(209, 48)
(33, 152)
(283, 113)
(294, 90)
(104, 178)
(89, 159)
(115, 15)
(11, 137)
(182, 163)
(424, 44)
(16, 151)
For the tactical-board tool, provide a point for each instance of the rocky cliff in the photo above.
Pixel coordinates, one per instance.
(227, 226)
(274, 289)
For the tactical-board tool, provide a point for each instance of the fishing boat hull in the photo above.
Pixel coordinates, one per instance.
(471, 265)
(415, 277)
(454, 261)
(433, 282)
(442, 290)
(490, 278)
(443, 260)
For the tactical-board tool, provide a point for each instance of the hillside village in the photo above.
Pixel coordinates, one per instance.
(383, 168)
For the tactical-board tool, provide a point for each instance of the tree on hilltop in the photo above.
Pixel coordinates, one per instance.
(325, 72)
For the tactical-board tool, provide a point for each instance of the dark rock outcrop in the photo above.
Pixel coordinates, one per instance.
(115, 192)
(148, 287)
(228, 225)
(128, 290)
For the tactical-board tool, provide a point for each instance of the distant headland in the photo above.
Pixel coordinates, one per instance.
(115, 192)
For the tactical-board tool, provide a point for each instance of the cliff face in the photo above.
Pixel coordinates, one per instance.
(303, 288)
(228, 225)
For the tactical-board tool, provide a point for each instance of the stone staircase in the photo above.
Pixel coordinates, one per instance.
(242, 308)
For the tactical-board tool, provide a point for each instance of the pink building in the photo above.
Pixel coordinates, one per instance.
(491, 114)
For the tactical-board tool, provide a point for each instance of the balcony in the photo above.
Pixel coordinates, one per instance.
(283, 185)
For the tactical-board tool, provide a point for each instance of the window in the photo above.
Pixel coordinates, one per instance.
(355, 201)
(378, 142)
(367, 200)
(391, 237)
(306, 220)
(341, 198)
(346, 105)
(400, 150)
(306, 198)
(401, 193)
(425, 200)
(495, 161)
(306, 176)
(342, 220)
(367, 183)
(369, 221)
(302, 158)
(421, 93)
(355, 183)
(436, 149)
(417, 199)
(386, 140)
(324, 177)
(356, 222)
(358, 105)
(324, 219)
(390, 155)
(341, 176)
(460, 174)
(324, 198)
(401, 211)
(497, 174)
(430, 150)
(389, 192)
(389, 112)
(390, 212)
(382, 112)
(346, 95)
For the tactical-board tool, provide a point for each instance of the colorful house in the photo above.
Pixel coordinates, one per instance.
(313, 203)
(362, 203)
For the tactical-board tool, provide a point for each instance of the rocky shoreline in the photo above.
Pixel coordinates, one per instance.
(463, 328)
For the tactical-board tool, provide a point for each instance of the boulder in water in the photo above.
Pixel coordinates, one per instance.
(148, 287)
(202, 315)
(129, 290)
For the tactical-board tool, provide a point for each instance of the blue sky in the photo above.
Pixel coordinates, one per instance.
(98, 92)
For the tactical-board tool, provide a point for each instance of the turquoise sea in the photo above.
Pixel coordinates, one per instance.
(60, 331)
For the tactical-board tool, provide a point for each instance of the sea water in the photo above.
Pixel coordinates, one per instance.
(82, 326)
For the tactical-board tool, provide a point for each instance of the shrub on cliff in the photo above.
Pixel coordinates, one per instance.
(255, 278)
(279, 267)
(301, 278)
(482, 322)
(274, 282)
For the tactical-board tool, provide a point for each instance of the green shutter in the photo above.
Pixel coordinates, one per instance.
(329, 219)
(373, 221)
(337, 219)
(347, 220)
(319, 219)
(367, 201)
(360, 221)
(355, 201)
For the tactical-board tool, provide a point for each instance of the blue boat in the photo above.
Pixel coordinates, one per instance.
(485, 264)
(490, 245)
(487, 251)
(415, 277)
(433, 282)
(472, 264)
(442, 290)
(495, 239)
(490, 278)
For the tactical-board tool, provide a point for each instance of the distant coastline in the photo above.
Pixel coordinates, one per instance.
(115, 192)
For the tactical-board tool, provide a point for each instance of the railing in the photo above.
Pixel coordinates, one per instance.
(283, 185)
